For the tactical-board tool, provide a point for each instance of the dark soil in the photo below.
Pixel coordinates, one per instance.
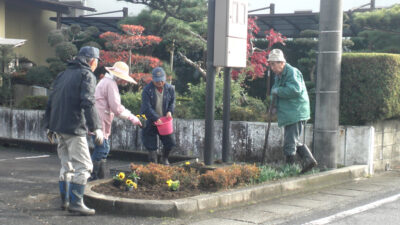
(146, 191)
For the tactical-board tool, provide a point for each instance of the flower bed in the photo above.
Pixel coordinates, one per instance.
(160, 182)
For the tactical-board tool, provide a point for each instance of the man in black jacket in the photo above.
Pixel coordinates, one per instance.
(158, 99)
(70, 114)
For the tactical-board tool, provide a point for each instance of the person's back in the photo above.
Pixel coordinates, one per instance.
(70, 99)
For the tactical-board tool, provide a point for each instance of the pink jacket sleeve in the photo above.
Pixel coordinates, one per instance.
(114, 101)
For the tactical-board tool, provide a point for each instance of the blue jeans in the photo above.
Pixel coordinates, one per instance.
(100, 151)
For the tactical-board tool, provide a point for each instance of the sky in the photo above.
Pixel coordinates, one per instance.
(281, 6)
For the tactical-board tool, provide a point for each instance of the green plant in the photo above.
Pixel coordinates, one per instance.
(132, 101)
(198, 94)
(40, 76)
(33, 102)
(173, 185)
(5, 89)
(133, 176)
(66, 51)
(370, 88)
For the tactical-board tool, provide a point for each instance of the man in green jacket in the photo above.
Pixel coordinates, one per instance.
(289, 94)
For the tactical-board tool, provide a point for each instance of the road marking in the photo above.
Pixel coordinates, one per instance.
(28, 157)
(356, 210)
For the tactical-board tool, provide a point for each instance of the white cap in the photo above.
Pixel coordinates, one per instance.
(276, 55)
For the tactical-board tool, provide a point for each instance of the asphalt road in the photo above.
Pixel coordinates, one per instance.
(29, 195)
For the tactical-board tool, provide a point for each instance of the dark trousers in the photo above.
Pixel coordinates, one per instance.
(149, 138)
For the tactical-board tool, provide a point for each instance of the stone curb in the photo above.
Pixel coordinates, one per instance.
(190, 205)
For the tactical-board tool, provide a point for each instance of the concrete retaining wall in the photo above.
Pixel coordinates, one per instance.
(373, 145)
(387, 144)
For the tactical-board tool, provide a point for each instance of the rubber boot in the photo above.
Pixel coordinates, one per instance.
(164, 158)
(290, 159)
(307, 157)
(95, 173)
(153, 156)
(102, 169)
(64, 192)
(76, 203)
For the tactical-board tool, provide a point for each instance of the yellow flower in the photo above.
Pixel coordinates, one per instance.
(134, 185)
(169, 182)
(121, 175)
(129, 182)
(144, 116)
(187, 163)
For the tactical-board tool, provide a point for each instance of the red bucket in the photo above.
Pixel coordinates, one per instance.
(166, 126)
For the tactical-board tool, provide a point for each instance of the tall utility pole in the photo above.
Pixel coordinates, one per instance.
(210, 87)
(326, 125)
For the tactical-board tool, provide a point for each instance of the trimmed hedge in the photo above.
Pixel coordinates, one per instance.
(370, 88)
(33, 102)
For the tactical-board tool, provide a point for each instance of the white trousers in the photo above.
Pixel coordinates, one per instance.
(76, 164)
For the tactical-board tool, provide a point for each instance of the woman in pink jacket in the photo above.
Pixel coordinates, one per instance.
(108, 104)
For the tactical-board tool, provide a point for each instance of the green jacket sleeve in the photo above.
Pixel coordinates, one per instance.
(292, 85)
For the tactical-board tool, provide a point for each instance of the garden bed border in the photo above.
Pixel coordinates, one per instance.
(187, 206)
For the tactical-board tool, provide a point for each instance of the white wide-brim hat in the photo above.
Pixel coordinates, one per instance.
(121, 70)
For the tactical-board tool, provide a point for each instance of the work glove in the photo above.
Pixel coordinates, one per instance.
(51, 136)
(135, 120)
(98, 137)
(274, 91)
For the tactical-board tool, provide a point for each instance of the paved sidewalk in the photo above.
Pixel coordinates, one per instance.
(289, 208)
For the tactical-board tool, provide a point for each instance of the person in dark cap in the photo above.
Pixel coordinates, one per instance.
(70, 114)
(158, 100)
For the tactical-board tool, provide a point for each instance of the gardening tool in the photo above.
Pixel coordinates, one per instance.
(267, 132)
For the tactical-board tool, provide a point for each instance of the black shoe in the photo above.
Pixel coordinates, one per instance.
(102, 169)
(95, 173)
(153, 157)
(164, 158)
(307, 157)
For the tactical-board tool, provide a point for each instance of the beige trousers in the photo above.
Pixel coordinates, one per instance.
(76, 164)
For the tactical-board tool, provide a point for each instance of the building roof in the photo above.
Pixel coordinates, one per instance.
(104, 24)
(54, 5)
(12, 42)
(288, 24)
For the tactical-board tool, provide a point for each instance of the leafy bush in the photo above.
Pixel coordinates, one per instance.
(242, 106)
(33, 102)
(268, 173)
(132, 101)
(66, 51)
(228, 177)
(182, 107)
(56, 66)
(370, 88)
(40, 76)
(5, 89)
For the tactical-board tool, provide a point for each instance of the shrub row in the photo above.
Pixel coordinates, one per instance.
(369, 88)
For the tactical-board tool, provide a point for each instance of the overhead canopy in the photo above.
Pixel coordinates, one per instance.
(53, 5)
(12, 42)
(104, 24)
(289, 25)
